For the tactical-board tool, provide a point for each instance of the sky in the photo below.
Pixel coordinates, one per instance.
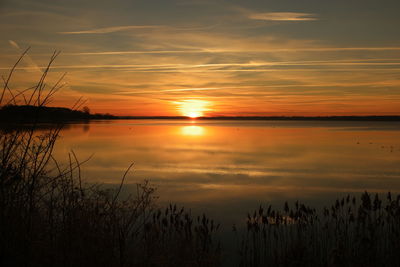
(209, 58)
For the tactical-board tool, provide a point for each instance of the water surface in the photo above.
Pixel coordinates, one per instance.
(226, 168)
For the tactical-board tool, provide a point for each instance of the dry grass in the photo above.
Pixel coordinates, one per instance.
(346, 234)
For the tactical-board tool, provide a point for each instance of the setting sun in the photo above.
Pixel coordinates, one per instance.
(192, 108)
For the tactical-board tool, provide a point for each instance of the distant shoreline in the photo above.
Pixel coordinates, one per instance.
(268, 118)
(29, 114)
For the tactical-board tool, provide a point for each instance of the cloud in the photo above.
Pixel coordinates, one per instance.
(283, 16)
(139, 27)
(14, 44)
(221, 51)
(271, 66)
(114, 29)
(139, 52)
(27, 58)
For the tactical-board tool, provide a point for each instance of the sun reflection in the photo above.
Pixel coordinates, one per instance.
(192, 108)
(192, 130)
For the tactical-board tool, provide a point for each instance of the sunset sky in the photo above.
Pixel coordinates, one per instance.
(210, 58)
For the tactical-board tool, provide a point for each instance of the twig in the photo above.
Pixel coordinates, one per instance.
(10, 74)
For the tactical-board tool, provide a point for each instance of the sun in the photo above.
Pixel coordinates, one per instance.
(192, 108)
(194, 114)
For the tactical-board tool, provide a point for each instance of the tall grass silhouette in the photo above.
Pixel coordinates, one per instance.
(346, 234)
(50, 217)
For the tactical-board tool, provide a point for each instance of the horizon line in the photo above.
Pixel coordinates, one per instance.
(330, 117)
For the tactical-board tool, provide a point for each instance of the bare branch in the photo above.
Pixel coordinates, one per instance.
(11, 73)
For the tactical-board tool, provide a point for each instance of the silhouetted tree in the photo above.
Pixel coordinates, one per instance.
(86, 109)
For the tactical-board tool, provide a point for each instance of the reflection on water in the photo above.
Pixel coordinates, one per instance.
(192, 130)
(230, 167)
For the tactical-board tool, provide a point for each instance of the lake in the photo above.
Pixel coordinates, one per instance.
(227, 168)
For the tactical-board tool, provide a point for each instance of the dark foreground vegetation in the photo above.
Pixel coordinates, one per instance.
(352, 232)
(50, 217)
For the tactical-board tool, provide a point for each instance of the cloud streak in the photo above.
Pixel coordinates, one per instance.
(244, 66)
(221, 51)
(283, 16)
(114, 29)
(32, 65)
(138, 27)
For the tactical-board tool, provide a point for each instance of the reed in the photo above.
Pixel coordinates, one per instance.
(346, 234)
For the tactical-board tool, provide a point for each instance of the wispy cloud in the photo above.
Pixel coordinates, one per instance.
(138, 52)
(114, 29)
(174, 90)
(283, 16)
(221, 51)
(32, 65)
(140, 27)
(248, 66)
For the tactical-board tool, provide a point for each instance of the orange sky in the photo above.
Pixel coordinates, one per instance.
(210, 58)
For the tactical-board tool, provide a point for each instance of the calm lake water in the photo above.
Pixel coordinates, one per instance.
(227, 168)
